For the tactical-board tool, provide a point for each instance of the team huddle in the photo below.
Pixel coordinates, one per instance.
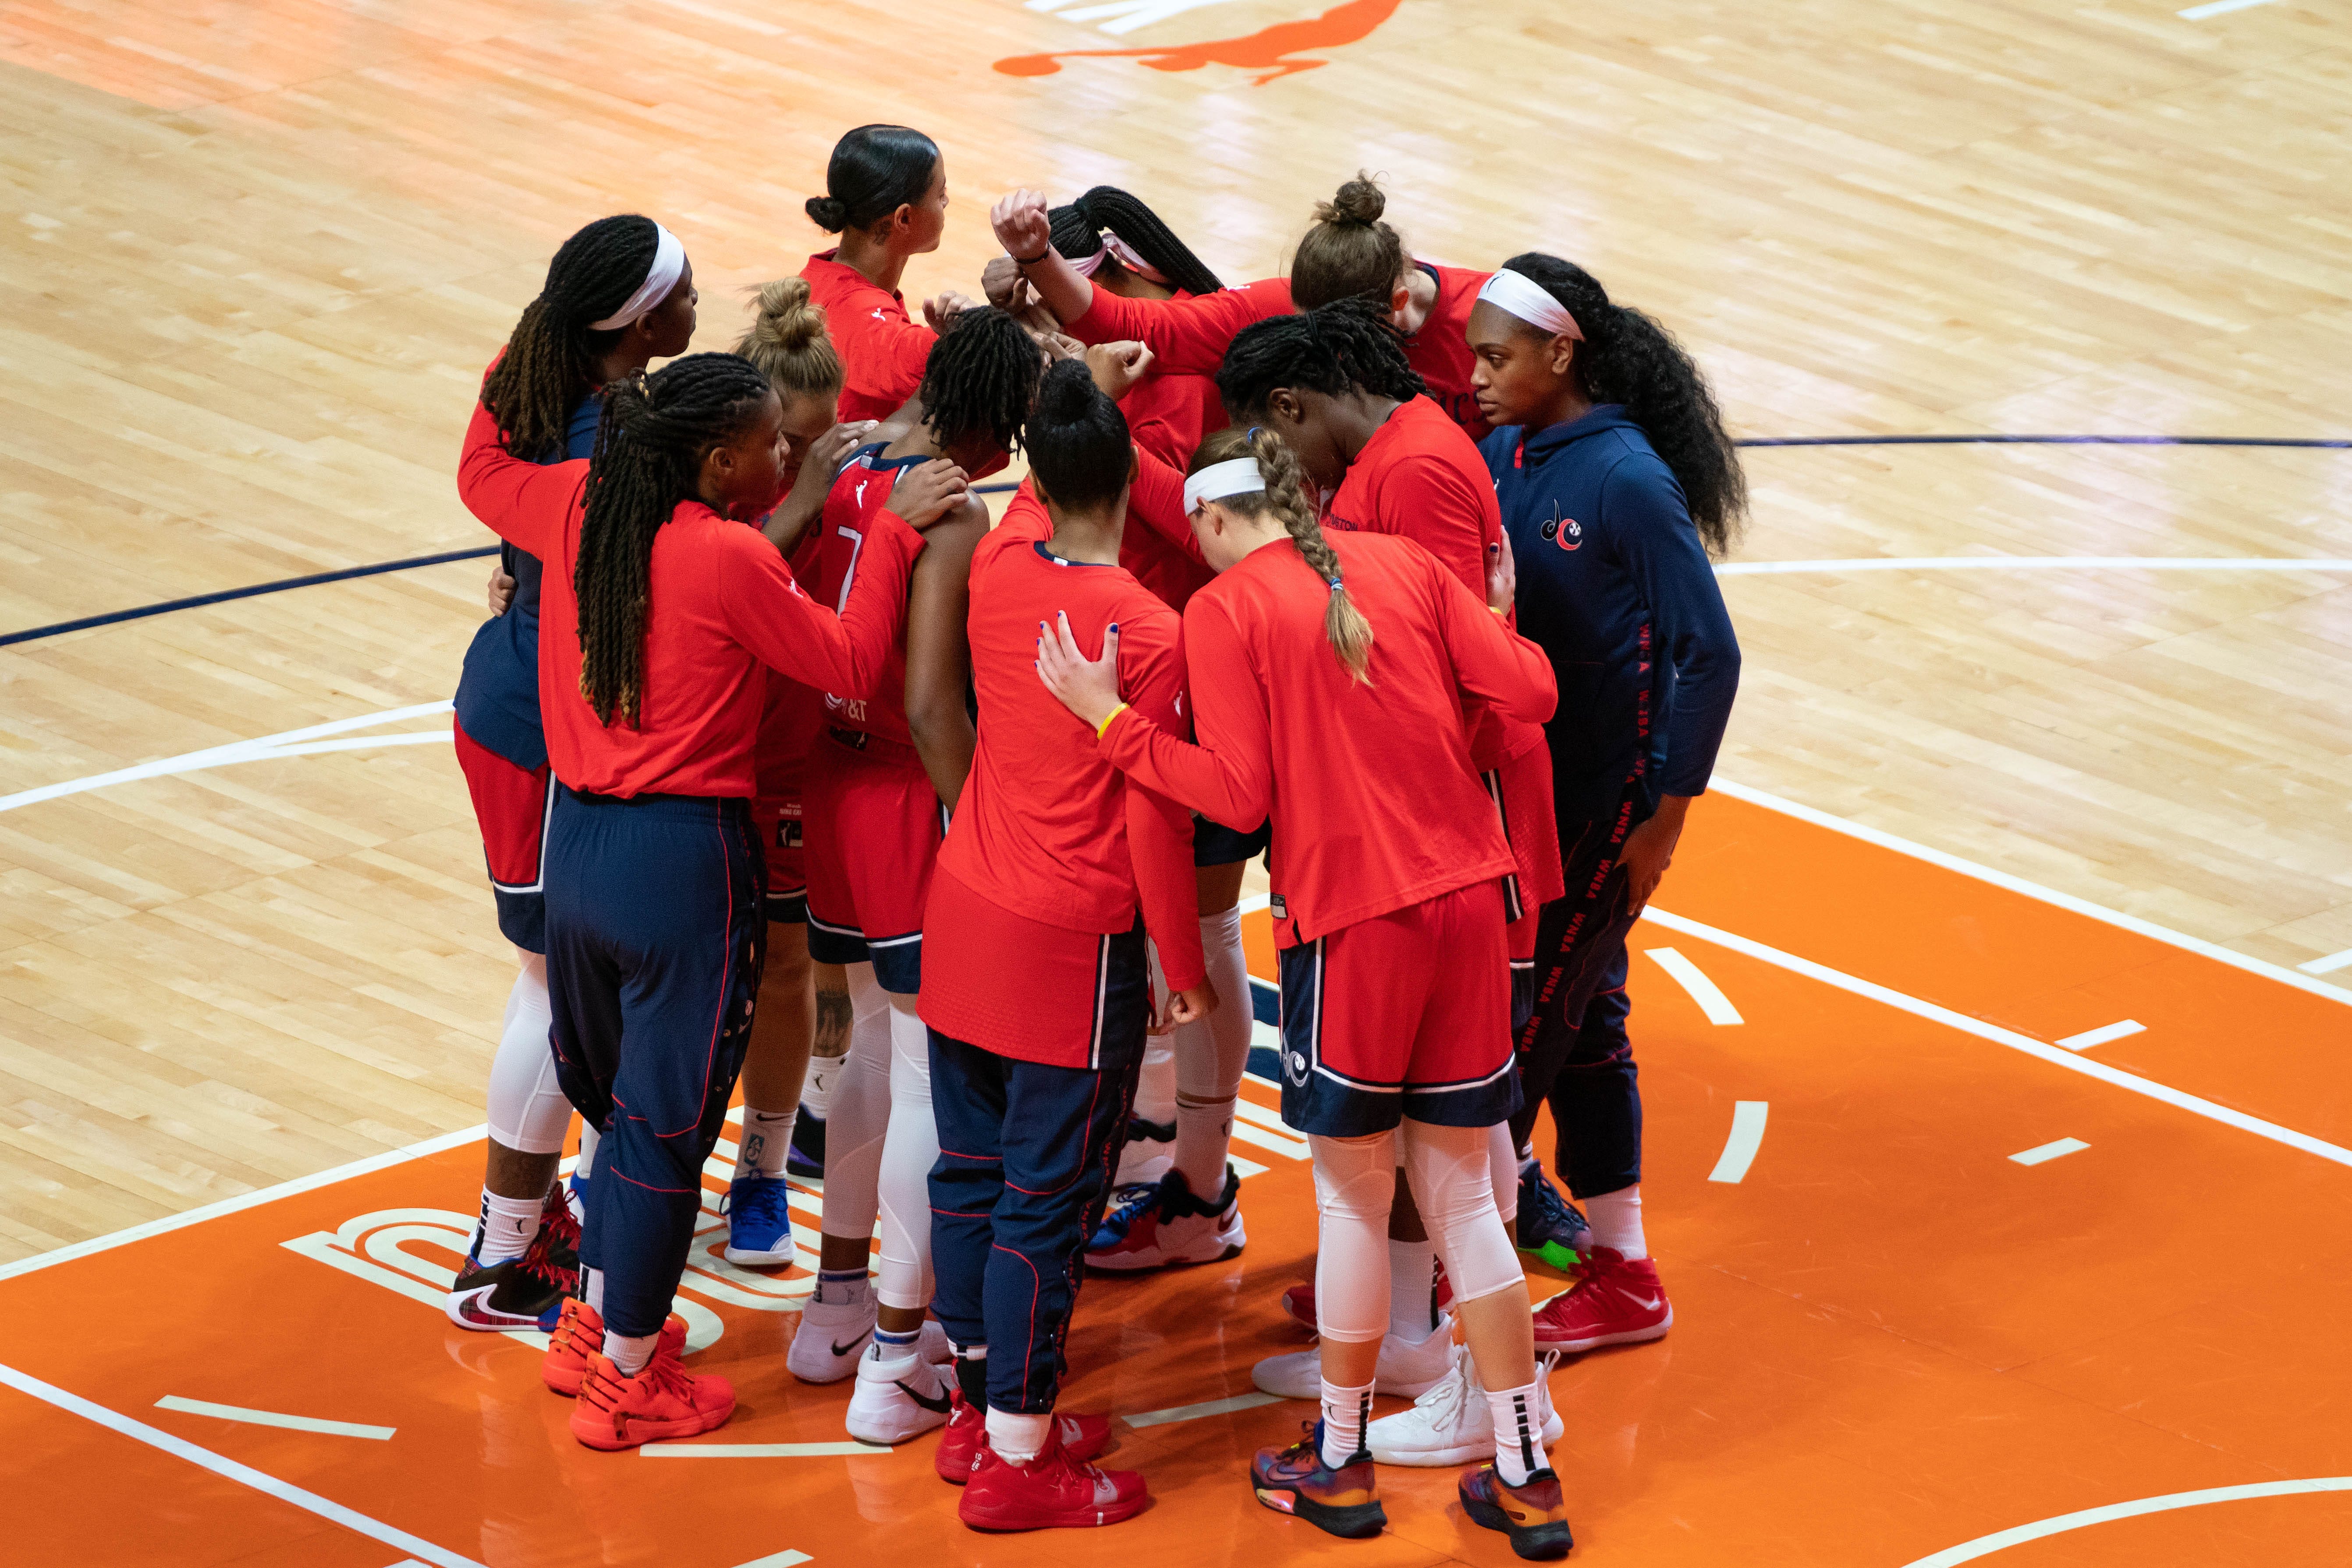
(792, 768)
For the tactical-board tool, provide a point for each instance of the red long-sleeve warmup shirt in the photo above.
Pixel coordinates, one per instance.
(1046, 828)
(721, 605)
(882, 352)
(1374, 800)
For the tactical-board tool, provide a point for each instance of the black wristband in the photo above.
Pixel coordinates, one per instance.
(1032, 261)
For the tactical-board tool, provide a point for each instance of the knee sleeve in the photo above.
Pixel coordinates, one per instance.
(861, 1111)
(1503, 1159)
(1451, 1170)
(908, 1152)
(527, 1111)
(1211, 1054)
(1355, 1178)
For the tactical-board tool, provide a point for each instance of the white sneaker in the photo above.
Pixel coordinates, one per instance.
(1145, 1159)
(900, 1396)
(832, 1332)
(1175, 1228)
(934, 1346)
(1453, 1423)
(1408, 1369)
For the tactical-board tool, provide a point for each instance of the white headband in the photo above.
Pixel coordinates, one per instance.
(1238, 477)
(1123, 253)
(669, 262)
(1519, 295)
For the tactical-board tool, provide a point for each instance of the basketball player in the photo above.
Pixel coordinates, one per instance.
(1035, 987)
(619, 294)
(1328, 676)
(886, 196)
(1617, 481)
(661, 610)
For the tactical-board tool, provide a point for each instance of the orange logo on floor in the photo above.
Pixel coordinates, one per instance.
(1269, 50)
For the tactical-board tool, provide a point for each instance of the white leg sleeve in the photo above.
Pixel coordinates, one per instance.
(861, 1112)
(528, 1112)
(907, 1156)
(1503, 1159)
(1155, 1089)
(1211, 1056)
(1452, 1172)
(1355, 1178)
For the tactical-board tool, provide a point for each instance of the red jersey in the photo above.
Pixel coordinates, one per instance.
(882, 352)
(1189, 335)
(858, 496)
(1047, 828)
(1374, 801)
(722, 604)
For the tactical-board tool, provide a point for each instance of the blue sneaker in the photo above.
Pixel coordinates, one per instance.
(1127, 1204)
(805, 1159)
(759, 1225)
(1549, 1226)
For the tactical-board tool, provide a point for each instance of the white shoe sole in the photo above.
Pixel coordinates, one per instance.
(897, 1421)
(1223, 1247)
(783, 1254)
(1299, 1374)
(1634, 1337)
(1468, 1452)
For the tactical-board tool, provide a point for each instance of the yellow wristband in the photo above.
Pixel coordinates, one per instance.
(1492, 611)
(1107, 719)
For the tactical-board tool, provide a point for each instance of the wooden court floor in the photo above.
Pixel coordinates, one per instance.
(255, 255)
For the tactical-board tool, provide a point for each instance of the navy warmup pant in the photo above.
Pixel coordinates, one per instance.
(656, 937)
(1574, 1052)
(1026, 1155)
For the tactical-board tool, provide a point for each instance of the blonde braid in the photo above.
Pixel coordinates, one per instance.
(1285, 494)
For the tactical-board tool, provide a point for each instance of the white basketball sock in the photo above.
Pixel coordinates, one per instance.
(1616, 1221)
(506, 1228)
(1018, 1440)
(765, 1139)
(630, 1352)
(1519, 1432)
(1345, 1412)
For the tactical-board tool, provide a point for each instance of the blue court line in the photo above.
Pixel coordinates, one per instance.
(115, 617)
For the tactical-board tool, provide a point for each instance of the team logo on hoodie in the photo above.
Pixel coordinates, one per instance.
(1564, 531)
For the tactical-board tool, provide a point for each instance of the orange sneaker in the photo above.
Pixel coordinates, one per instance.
(578, 1334)
(615, 1410)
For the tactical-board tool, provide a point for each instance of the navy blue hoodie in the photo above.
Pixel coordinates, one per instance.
(1615, 586)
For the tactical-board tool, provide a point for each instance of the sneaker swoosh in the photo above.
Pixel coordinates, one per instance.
(471, 1309)
(851, 1348)
(1652, 1305)
(936, 1404)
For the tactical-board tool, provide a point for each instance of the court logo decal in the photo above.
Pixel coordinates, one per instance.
(1273, 51)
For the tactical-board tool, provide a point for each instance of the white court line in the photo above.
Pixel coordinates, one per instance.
(778, 1560)
(1704, 992)
(2104, 1035)
(1986, 1545)
(2041, 562)
(1206, 1407)
(2328, 965)
(2117, 918)
(249, 1200)
(1747, 1119)
(243, 1475)
(2218, 7)
(261, 749)
(757, 1450)
(2089, 1067)
(2042, 1153)
(272, 1419)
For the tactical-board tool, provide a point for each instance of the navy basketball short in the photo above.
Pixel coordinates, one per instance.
(510, 805)
(1214, 844)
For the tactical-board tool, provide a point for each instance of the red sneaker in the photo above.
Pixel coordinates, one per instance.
(1616, 1300)
(615, 1410)
(579, 1334)
(1298, 1302)
(1082, 1437)
(1053, 1490)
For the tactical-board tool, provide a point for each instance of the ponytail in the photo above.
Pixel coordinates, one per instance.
(1284, 499)
(1078, 234)
(649, 451)
(1626, 357)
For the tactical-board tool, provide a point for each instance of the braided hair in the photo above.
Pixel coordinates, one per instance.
(1077, 439)
(1349, 253)
(656, 431)
(1627, 357)
(551, 357)
(1077, 233)
(787, 341)
(1333, 349)
(980, 379)
(1285, 498)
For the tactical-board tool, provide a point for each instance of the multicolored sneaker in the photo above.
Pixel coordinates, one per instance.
(1081, 1436)
(1295, 1480)
(1533, 1516)
(1172, 1226)
(758, 1225)
(1615, 1301)
(578, 1334)
(1127, 1204)
(1055, 1489)
(525, 1291)
(662, 1400)
(805, 1159)
(1549, 1226)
